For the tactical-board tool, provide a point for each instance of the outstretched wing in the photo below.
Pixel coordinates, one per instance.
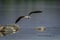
(34, 12)
(19, 19)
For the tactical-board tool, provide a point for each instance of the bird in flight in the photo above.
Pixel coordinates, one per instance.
(33, 12)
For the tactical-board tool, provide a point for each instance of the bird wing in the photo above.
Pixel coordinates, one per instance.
(34, 12)
(19, 19)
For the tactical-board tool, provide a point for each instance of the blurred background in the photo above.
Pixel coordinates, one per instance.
(10, 10)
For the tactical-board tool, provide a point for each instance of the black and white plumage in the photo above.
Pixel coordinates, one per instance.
(27, 16)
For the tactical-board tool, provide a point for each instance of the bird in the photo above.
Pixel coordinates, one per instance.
(27, 17)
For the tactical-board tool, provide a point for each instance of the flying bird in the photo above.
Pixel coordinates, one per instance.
(19, 18)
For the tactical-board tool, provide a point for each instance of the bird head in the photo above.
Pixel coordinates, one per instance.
(28, 17)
